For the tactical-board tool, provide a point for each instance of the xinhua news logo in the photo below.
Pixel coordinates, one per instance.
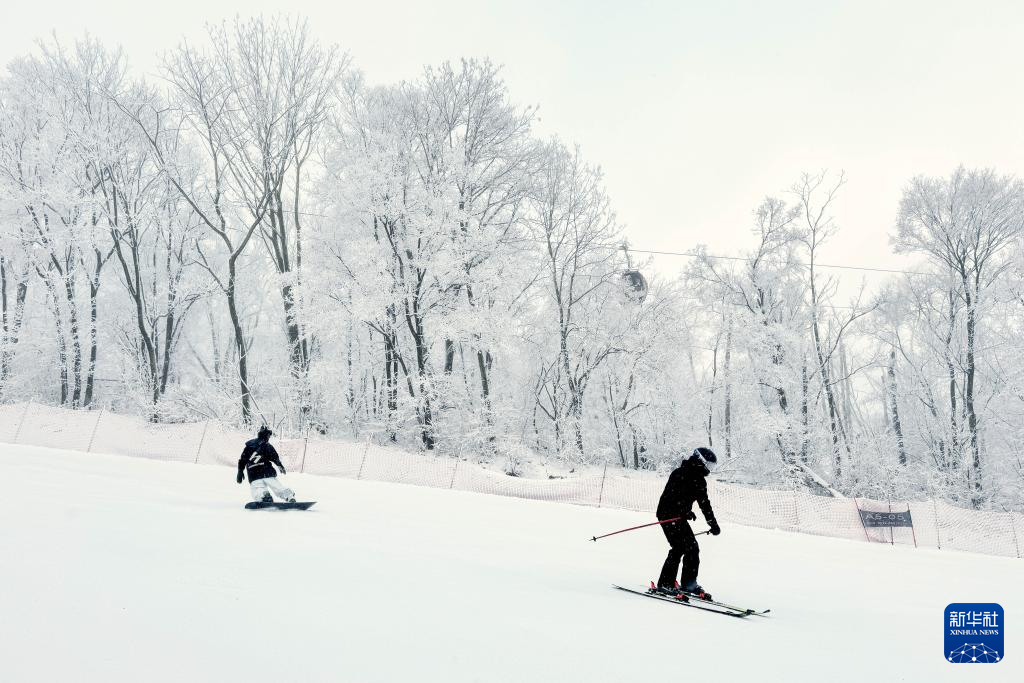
(974, 633)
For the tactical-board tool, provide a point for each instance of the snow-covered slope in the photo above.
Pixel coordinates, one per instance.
(122, 569)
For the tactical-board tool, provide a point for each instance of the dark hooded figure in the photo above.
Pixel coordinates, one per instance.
(687, 484)
(257, 461)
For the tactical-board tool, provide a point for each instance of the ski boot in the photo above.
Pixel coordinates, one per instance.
(668, 591)
(290, 500)
(694, 589)
(267, 498)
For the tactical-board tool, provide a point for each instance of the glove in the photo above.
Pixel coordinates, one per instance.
(283, 470)
(715, 529)
(691, 516)
(240, 476)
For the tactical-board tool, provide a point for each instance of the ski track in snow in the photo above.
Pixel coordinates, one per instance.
(124, 569)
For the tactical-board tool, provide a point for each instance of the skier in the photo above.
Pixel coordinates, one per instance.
(256, 460)
(685, 485)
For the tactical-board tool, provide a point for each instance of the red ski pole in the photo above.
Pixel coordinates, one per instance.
(620, 531)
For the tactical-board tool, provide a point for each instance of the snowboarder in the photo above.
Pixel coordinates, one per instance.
(257, 460)
(685, 485)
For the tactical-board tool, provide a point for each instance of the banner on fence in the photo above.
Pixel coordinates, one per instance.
(885, 519)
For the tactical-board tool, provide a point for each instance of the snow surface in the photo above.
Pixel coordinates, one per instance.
(122, 569)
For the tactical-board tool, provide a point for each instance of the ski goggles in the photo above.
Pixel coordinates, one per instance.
(706, 458)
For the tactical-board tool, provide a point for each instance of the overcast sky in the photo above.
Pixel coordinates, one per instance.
(695, 110)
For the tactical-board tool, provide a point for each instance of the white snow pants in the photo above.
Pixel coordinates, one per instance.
(261, 487)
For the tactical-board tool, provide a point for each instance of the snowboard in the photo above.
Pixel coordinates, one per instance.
(259, 505)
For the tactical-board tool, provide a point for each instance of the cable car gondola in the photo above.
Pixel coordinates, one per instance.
(635, 283)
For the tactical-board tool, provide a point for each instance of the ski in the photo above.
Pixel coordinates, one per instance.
(677, 601)
(745, 610)
(694, 596)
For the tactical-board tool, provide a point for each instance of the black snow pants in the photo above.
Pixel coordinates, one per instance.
(684, 547)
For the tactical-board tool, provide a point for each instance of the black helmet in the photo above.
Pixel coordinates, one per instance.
(264, 433)
(705, 457)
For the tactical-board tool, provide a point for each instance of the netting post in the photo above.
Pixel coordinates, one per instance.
(455, 469)
(796, 512)
(366, 448)
(24, 416)
(892, 536)
(202, 439)
(938, 536)
(1013, 528)
(861, 520)
(913, 532)
(305, 443)
(600, 494)
(95, 428)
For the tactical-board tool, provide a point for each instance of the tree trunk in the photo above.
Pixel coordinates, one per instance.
(804, 412)
(3, 320)
(953, 451)
(298, 347)
(610, 400)
(789, 456)
(62, 344)
(826, 383)
(422, 371)
(711, 393)
(575, 400)
(170, 331)
(90, 378)
(485, 389)
(11, 320)
(727, 381)
(972, 417)
(391, 386)
(415, 323)
(483, 359)
(639, 450)
(240, 344)
(132, 271)
(76, 342)
(897, 425)
(297, 351)
(350, 391)
(449, 356)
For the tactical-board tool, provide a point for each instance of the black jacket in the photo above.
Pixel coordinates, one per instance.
(685, 486)
(256, 460)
